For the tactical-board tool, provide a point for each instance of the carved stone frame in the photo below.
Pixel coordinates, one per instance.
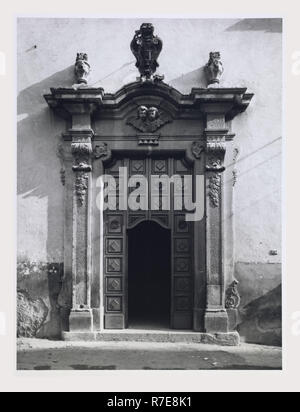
(216, 107)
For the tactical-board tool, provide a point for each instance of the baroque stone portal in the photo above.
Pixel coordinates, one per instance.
(97, 279)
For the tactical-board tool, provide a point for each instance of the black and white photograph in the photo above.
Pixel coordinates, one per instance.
(149, 193)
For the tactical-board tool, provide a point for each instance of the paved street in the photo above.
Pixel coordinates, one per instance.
(42, 355)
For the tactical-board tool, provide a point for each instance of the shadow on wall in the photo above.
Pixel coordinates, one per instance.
(196, 77)
(259, 317)
(266, 25)
(41, 194)
(261, 320)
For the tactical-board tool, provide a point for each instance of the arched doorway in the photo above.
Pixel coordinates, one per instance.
(149, 276)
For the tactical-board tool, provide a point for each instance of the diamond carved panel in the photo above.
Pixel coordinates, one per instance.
(114, 304)
(114, 284)
(160, 166)
(113, 264)
(137, 167)
(113, 246)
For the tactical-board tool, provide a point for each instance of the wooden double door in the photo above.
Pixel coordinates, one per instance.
(148, 254)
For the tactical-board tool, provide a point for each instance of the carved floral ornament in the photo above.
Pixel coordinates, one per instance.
(215, 182)
(81, 149)
(81, 186)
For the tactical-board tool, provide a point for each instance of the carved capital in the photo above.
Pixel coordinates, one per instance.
(233, 299)
(215, 154)
(82, 149)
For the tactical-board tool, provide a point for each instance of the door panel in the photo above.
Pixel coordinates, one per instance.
(116, 251)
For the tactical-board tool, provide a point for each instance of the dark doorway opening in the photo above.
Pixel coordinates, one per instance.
(149, 277)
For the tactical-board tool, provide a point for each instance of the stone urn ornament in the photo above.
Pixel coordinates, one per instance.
(214, 69)
(82, 70)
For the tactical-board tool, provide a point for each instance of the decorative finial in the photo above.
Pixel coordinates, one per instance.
(82, 69)
(146, 48)
(214, 69)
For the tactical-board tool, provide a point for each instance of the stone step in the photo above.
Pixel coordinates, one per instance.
(223, 339)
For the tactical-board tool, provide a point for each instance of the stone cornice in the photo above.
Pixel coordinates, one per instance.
(228, 101)
(67, 102)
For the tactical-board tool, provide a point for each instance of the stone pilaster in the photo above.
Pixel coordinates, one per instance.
(198, 152)
(81, 147)
(216, 319)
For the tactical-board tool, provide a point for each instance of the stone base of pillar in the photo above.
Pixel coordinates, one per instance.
(234, 319)
(216, 321)
(81, 321)
(199, 320)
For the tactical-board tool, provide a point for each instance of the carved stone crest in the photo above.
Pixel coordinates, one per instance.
(101, 150)
(197, 149)
(146, 48)
(82, 69)
(233, 298)
(148, 120)
(214, 68)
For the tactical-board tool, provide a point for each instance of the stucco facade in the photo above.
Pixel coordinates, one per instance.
(251, 54)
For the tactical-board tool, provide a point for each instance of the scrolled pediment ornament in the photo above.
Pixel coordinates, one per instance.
(148, 119)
